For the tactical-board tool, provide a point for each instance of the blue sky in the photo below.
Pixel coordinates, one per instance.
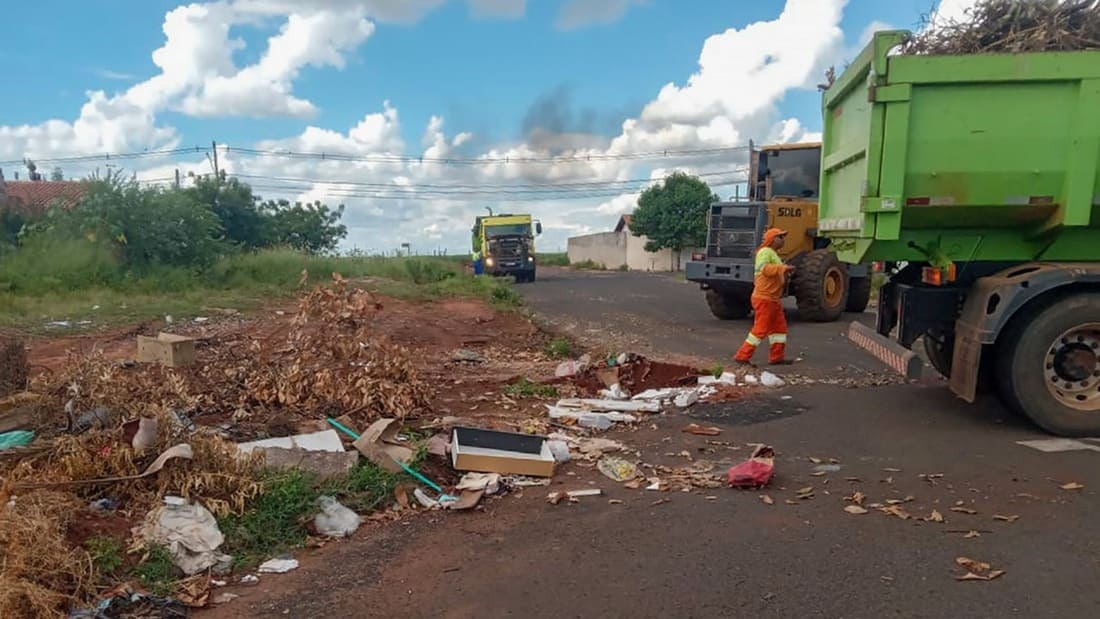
(494, 76)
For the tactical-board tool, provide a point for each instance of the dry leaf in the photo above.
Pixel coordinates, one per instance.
(888, 480)
(806, 490)
(660, 502)
(891, 470)
(894, 501)
(964, 510)
(767, 499)
(960, 502)
(1072, 486)
(855, 509)
(815, 460)
(996, 574)
(854, 480)
(972, 565)
(1012, 518)
(818, 474)
(935, 517)
(894, 510)
(790, 502)
(857, 498)
(614, 502)
(971, 576)
(972, 535)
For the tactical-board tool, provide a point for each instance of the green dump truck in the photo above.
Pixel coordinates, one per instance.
(973, 180)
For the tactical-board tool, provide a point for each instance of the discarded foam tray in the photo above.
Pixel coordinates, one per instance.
(507, 453)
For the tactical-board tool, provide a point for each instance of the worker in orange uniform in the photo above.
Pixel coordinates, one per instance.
(767, 301)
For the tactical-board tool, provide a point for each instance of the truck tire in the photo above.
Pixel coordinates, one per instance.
(729, 305)
(939, 355)
(821, 286)
(1049, 365)
(859, 294)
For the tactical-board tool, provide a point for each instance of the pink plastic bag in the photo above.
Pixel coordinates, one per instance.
(756, 471)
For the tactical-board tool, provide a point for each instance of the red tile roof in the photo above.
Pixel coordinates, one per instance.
(39, 195)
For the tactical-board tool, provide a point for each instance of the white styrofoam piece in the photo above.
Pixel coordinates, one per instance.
(325, 440)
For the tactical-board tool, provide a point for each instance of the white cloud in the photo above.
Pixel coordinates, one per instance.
(952, 10)
(115, 75)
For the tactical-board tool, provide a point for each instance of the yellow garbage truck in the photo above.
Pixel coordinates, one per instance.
(505, 245)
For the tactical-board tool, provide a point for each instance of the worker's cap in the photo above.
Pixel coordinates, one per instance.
(771, 235)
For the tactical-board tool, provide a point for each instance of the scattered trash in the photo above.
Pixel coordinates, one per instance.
(572, 368)
(827, 468)
(439, 445)
(380, 444)
(250, 579)
(178, 451)
(702, 430)
(103, 505)
(727, 378)
(614, 502)
(610, 406)
(560, 450)
(805, 493)
(963, 510)
(278, 566)
(589, 419)
(856, 497)
(335, 520)
(146, 435)
(617, 469)
(594, 448)
(425, 500)
(223, 598)
(654, 484)
(755, 472)
(771, 380)
(1071, 486)
(855, 509)
(1012, 518)
(190, 534)
(492, 451)
(467, 499)
(972, 534)
(767, 500)
(935, 516)
(487, 482)
(976, 570)
(894, 510)
(556, 497)
(614, 392)
(15, 438)
(325, 440)
(751, 379)
(660, 502)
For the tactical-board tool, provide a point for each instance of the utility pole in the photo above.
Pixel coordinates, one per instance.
(177, 178)
(214, 148)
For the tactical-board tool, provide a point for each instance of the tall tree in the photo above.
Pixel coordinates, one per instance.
(673, 214)
(57, 174)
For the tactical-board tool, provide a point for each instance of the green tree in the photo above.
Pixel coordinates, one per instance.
(57, 175)
(673, 214)
(242, 221)
(313, 228)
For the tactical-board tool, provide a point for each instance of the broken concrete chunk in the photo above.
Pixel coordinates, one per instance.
(611, 405)
(557, 412)
(323, 464)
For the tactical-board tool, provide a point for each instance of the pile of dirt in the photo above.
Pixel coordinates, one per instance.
(1013, 26)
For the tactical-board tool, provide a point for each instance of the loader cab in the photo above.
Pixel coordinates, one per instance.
(786, 177)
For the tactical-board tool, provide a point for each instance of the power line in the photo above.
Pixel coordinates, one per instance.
(89, 158)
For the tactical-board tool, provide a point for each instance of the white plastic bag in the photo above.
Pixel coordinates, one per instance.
(335, 520)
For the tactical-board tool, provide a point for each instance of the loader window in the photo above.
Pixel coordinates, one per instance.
(794, 173)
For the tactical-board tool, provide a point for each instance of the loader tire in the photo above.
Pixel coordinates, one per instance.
(821, 286)
(859, 294)
(1048, 366)
(729, 305)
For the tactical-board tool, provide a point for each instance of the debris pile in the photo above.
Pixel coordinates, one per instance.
(1013, 26)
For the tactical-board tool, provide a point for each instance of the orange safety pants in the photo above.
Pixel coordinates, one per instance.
(768, 321)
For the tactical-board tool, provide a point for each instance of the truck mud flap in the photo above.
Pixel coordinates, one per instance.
(901, 359)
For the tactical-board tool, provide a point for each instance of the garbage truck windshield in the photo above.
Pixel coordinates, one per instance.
(508, 230)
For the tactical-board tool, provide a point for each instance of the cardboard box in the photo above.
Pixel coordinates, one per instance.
(507, 453)
(174, 351)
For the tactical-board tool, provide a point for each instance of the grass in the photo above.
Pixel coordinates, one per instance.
(718, 370)
(559, 348)
(82, 286)
(553, 260)
(588, 265)
(275, 520)
(524, 388)
(157, 572)
(106, 553)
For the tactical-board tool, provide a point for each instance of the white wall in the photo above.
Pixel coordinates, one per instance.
(615, 249)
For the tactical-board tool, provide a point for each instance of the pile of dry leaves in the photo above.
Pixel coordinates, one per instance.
(1013, 26)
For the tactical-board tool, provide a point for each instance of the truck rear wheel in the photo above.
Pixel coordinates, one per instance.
(1050, 366)
(940, 354)
(821, 286)
(859, 294)
(729, 305)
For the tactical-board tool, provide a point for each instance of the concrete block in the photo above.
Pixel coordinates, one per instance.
(174, 351)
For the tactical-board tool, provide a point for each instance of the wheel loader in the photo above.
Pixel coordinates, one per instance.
(782, 193)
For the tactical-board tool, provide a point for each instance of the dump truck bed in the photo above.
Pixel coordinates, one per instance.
(974, 158)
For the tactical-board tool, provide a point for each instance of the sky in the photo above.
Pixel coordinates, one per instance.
(416, 115)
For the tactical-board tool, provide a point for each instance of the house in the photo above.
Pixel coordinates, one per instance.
(31, 198)
(620, 249)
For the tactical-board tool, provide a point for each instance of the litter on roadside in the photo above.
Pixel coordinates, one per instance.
(326, 440)
(619, 406)
(334, 519)
(486, 482)
(617, 469)
(556, 497)
(190, 534)
(573, 367)
(278, 566)
(492, 451)
(702, 430)
(558, 412)
(755, 472)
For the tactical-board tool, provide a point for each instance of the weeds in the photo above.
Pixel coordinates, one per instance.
(559, 348)
(588, 265)
(106, 553)
(524, 388)
(553, 260)
(717, 371)
(156, 571)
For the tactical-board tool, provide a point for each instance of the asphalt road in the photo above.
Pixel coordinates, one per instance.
(725, 553)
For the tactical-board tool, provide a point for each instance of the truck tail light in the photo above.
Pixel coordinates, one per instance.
(936, 276)
(698, 256)
(878, 267)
